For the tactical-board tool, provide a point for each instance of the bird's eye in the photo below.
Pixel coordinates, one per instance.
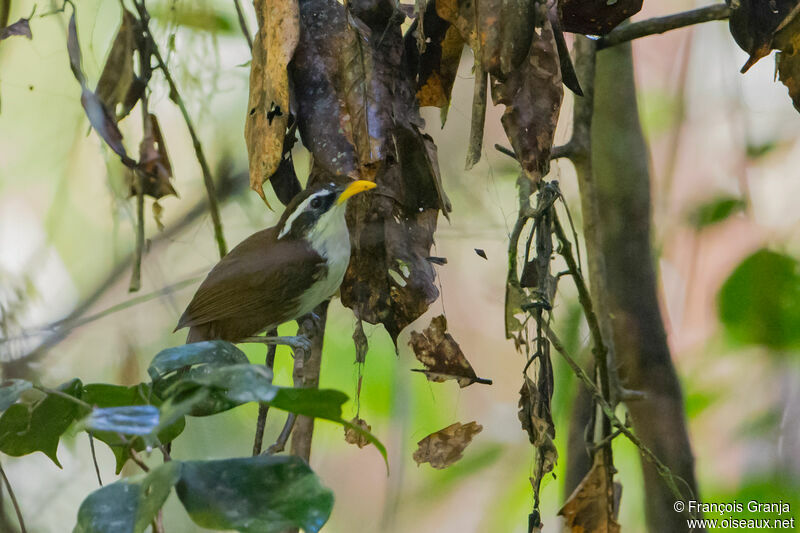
(316, 203)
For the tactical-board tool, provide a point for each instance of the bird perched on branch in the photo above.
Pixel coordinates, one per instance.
(278, 274)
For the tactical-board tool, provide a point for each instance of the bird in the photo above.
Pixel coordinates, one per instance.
(277, 274)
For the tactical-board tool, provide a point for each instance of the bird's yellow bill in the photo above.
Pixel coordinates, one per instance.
(355, 188)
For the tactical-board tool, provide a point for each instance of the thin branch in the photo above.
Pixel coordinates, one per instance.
(138, 460)
(243, 23)
(653, 26)
(175, 96)
(669, 478)
(263, 408)
(136, 272)
(13, 500)
(558, 152)
(94, 458)
(283, 438)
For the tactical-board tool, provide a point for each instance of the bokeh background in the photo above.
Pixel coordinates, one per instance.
(67, 234)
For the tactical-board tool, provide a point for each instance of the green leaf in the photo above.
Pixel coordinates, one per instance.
(10, 391)
(215, 353)
(760, 302)
(104, 395)
(128, 420)
(715, 211)
(262, 494)
(26, 429)
(198, 18)
(129, 505)
(190, 361)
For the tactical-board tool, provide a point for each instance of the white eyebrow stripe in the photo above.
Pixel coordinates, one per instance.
(300, 208)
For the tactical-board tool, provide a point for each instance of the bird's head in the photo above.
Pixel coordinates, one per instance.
(317, 208)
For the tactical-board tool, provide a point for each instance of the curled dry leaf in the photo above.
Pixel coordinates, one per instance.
(787, 39)
(754, 26)
(442, 356)
(154, 161)
(101, 119)
(446, 446)
(435, 65)
(352, 436)
(116, 85)
(532, 94)
(534, 415)
(593, 504)
(593, 17)
(268, 105)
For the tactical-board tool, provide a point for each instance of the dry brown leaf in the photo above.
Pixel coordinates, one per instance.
(268, 105)
(788, 41)
(118, 76)
(753, 27)
(446, 446)
(154, 161)
(101, 119)
(534, 415)
(442, 356)
(591, 508)
(532, 94)
(352, 436)
(593, 17)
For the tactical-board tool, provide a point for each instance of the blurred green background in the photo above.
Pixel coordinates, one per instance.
(67, 230)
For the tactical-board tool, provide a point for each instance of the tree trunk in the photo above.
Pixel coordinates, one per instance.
(615, 194)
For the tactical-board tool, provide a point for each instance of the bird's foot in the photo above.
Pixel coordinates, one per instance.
(296, 343)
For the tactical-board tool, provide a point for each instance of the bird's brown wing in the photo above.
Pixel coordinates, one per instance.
(259, 281)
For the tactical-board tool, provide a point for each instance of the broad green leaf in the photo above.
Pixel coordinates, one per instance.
(190, 361)
(10, 391)
(128, 420)
(760, 302)
(129, 505)
(715, 211)
(104, 395)
(262, 494)
(216, 353)
(26, 429)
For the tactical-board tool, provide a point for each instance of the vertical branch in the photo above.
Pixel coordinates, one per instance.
(175, 96)
(13, 500)
(136, 272)
(263, 408)
(306, 375)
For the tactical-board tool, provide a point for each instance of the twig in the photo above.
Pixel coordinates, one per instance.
(94, 458)
(663, 470)
(175, 96)
(243, 23)
(263, 408)
(138, 460)
(136, 272)
(13, 500)
(657, 25)
(283, 438)
(558, 152)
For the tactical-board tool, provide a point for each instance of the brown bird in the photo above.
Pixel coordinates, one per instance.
(278, 274)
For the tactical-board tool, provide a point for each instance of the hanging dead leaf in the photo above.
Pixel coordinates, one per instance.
(593, 504)
(154, 161)
(352, 436)
(593, 17)
(446, 446)
(158, 215)
(436, 65)
(21, 27)
(284, 182)
(532, 95)
(268, 105)
(442, 356)
(358, 115)
(103, 122)
(534, 415)
(787, 40)
(118, 76)
(754, 25)
(568, 74)
(360, 340)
